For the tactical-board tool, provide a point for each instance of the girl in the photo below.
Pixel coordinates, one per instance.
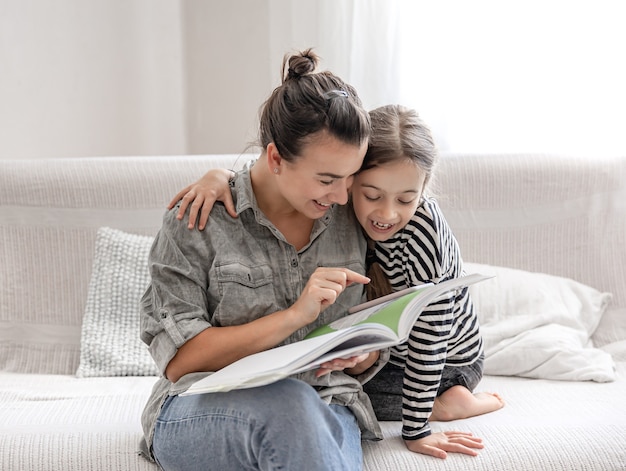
(287, 264)
(432, 376)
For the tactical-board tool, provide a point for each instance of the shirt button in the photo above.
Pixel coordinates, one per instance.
(294, 262)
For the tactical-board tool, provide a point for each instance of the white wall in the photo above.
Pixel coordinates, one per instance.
(140, 77)
(228, 75)
(90, 77)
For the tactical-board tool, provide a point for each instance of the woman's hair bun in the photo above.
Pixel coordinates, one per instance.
(308, 102)
(301, 64)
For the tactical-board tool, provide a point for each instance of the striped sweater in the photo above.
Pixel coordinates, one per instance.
(447, 331)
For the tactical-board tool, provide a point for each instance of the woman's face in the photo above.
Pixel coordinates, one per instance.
(321, 176)
(386, 197)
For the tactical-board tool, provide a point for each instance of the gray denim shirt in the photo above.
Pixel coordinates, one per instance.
(240, 269)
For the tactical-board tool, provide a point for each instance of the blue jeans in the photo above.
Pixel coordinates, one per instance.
(284, 425)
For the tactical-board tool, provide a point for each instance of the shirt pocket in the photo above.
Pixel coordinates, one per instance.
(246, 293)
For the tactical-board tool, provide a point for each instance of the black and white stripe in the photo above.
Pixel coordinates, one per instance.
(447, 332)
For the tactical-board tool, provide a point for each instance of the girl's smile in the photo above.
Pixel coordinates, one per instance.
(386, 197)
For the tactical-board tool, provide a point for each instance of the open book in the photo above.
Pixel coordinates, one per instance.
(377, 324)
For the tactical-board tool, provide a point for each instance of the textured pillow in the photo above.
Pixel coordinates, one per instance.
(110, 343)
(539, 326)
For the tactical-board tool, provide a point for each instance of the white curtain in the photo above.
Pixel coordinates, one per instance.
(487, 76)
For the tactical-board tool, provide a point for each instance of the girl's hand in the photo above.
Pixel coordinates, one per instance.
(353, 366)
(438, 444)
(213, 186)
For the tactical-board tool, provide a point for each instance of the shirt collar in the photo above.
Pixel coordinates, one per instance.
(245, 199)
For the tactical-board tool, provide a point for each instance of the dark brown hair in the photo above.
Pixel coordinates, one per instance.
(398, 133)
(308, 102)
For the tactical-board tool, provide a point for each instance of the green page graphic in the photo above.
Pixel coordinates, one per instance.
(389, 316)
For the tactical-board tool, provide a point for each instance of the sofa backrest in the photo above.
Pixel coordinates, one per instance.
(50, 211)
(558, 215)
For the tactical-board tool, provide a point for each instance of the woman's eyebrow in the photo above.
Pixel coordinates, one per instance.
(329, 175)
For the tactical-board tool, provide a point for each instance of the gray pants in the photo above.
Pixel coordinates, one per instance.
(385, 389)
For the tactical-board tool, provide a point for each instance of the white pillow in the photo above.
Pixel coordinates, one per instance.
(539, 326)
(110, 343)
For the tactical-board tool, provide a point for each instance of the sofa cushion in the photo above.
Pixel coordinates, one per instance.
(110, 343)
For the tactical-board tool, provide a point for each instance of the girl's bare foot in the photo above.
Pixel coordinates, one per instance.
(459, 402)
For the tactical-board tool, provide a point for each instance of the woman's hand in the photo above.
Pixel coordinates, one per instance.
(438, 444)
(200, 197)
(322, 290)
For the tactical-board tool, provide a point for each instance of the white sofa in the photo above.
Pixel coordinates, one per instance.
(561, 216)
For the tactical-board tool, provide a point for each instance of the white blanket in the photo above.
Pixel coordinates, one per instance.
(540, 347)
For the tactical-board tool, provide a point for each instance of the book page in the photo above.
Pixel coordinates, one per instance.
(399, 314)
(279, 362)
(386, 313)
(384, 299)
(418, 303)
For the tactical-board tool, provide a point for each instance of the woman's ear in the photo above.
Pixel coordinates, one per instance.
(274, 159)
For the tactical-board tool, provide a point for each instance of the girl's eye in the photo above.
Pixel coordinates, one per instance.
(372, 198)
(326, 182)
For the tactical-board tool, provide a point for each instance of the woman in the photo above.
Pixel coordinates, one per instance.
(286, 264)
(432, 376)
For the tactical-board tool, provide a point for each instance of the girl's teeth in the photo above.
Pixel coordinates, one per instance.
(381, 225)
(322, 204)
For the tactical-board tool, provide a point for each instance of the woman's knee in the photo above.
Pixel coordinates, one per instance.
(293, 403)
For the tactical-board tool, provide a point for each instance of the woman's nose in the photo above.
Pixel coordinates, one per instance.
(340, 193)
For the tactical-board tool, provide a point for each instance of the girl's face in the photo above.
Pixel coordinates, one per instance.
(321, 175)
(386, 197)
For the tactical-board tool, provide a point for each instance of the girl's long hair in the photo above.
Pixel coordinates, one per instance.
(398, 133)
